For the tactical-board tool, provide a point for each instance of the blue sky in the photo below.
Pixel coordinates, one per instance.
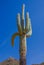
(8, 26)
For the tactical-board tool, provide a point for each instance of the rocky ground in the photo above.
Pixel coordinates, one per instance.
(10, 61)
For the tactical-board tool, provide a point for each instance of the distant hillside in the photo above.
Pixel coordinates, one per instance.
(10, 61)
(39, 64)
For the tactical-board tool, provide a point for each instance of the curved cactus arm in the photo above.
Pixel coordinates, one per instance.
(18, 23)
(27, 22)
(13, 36)
(22, 20)
(30, 30)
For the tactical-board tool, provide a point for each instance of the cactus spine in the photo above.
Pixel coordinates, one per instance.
(23, 32)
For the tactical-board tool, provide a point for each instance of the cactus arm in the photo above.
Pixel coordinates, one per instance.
(30, 31)
(27, 22)
(22, 20)
(23, 7)
(18, 23)
(13, 36)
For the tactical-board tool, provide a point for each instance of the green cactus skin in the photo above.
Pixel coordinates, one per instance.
(24, 31)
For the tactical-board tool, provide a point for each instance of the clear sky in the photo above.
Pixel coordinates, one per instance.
(8, 26)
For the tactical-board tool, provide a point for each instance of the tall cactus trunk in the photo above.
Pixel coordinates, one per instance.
(22, 50)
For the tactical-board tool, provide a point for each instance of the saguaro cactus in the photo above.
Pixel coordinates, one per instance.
(24, 30)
